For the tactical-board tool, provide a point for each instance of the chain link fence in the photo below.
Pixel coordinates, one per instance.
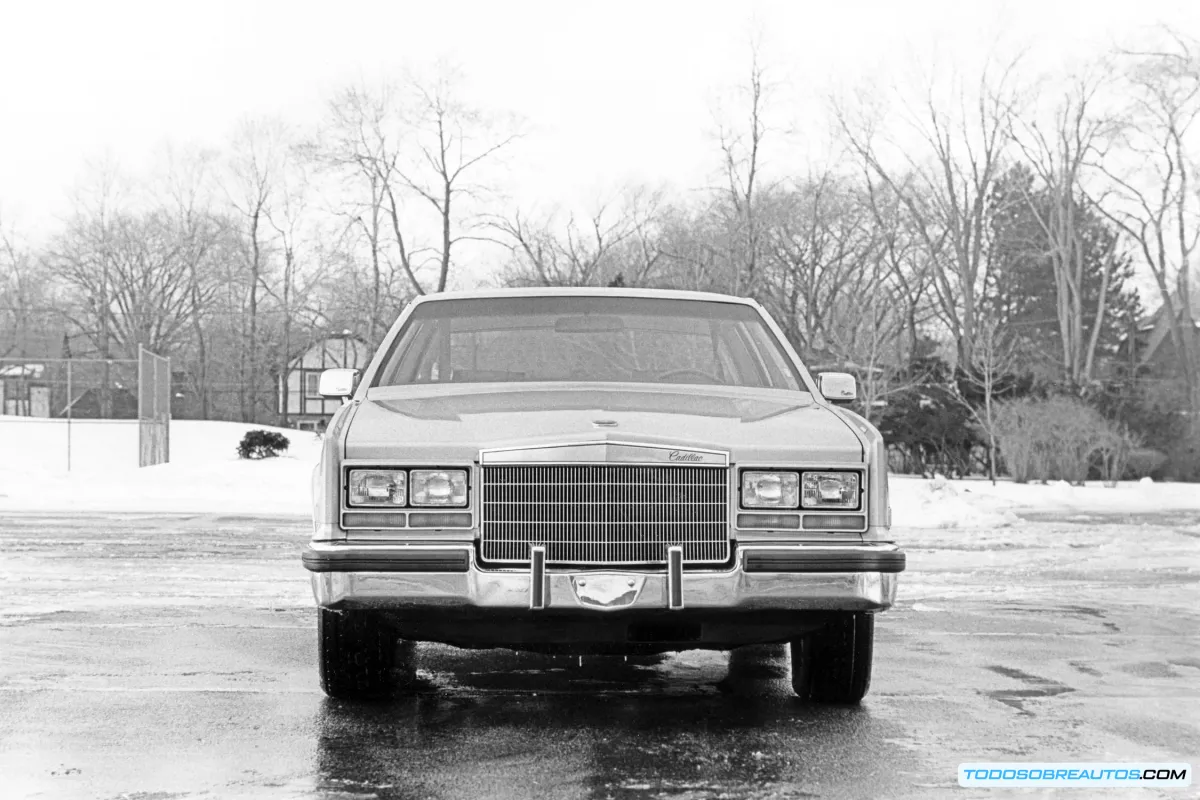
(84, 414)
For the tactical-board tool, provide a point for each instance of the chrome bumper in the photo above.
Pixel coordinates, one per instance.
(801, 577)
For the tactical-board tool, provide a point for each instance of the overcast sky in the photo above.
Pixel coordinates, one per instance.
(612, 91)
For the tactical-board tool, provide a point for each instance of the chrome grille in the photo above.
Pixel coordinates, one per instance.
(605, 513)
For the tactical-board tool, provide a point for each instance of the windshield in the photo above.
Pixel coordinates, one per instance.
(604, 339)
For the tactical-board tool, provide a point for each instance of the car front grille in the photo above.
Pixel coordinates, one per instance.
(602, 514)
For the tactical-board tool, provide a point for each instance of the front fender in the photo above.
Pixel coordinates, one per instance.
(326, 476)
(879, 513)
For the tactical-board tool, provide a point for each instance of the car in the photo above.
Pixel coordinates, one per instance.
(596, 471)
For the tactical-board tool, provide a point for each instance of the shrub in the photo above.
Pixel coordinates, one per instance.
(926, 427)
(262, 444)
(1114, 451)
(1183, 459)
(1148, 407)
(1052, 439)
(1145, 461)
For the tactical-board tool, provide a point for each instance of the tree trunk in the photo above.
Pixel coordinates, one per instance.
(376, 285)
(201, 346)
(285, 360)
(987, 404)
(446, 197)
(106, 404)
(255, 269)
(1101, 308)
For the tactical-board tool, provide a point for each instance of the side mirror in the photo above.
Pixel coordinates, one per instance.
(337, 383)
(837, 386)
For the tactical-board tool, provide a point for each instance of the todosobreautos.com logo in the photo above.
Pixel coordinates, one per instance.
(1098, 775)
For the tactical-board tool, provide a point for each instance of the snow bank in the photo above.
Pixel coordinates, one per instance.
(939, 503)
(976, 503)
(204, 475)
(1139, 497)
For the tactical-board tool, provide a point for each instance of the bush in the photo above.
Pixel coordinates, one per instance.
(1145, 462)
(1147, 407)
(926, 427)
(1183, 460)
(1115, 452)
(262, 444)
(1054, 439)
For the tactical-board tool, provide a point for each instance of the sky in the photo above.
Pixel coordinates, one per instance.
(612, 93)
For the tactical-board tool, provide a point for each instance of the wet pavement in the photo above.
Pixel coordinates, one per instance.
(148, 656)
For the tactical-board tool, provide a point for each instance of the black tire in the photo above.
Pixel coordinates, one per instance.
(833, 664)
(358, 653)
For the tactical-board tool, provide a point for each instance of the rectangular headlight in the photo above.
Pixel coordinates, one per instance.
(378, 487)
(770, 489)
(439, 487)
(829, 490)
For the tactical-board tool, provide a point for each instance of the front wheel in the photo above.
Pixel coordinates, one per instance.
(833, 664)
(358, 652)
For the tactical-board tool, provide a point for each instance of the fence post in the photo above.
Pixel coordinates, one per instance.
(141, 405)
(70, 411)
(154, 408)
(166, 385)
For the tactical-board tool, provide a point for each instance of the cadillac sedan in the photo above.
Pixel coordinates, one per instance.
(597, 471)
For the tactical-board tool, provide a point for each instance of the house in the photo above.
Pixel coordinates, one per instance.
(1156, 348)
(24, 390)
(305, 408)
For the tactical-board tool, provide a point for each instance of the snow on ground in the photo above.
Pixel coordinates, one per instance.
(205, 475)
(973, 503)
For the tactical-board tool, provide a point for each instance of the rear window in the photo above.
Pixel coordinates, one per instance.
(600, 339)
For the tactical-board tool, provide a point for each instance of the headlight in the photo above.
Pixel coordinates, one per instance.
(439, 487)
(830, 490)
(378, 487)
(770, 489)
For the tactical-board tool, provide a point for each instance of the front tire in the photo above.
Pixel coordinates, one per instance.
(833, 664)
(358, 653)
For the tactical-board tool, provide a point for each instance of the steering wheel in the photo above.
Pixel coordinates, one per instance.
(671, 373)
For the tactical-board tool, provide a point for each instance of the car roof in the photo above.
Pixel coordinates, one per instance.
(585, 291)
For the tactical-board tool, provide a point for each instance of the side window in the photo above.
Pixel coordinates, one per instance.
(403, 367)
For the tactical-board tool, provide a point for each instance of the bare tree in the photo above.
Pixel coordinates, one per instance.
(617, 241)
(741, 140)
(287, 215)
(189, 182)
(814, 241)
(24, 292)
(144, 290)
(450, 139)
(416, 145)
(1155, 202)
(285, 222)
(946, 185)
(829, 276)
(1060, 155)
(994, 357)
(97, 202)
(910, 274)
(255, 167)
(866, 332)
(362, 139)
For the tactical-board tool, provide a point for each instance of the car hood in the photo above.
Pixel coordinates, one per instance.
(453, 423)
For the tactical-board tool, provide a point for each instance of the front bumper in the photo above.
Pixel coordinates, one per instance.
(858, 577)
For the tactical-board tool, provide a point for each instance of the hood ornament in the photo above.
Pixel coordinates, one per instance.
(604, 423)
